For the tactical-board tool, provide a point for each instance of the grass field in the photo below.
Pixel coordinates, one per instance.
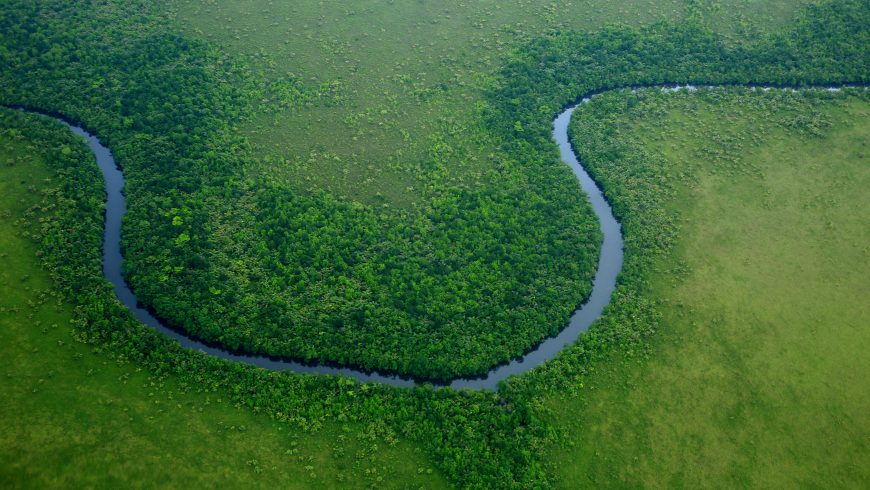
(757, 376)
(72, 419)
(400, 75)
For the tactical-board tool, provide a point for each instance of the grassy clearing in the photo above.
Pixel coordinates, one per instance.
(757, 375)
(70, 418)
(401, 73)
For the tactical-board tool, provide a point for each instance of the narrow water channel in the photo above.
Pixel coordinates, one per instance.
(609, 265)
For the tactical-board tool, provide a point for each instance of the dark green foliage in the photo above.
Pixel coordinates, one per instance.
(456, 427)
(470, 279)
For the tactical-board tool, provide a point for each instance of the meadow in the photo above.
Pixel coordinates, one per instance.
(369, 86)
(754, 377)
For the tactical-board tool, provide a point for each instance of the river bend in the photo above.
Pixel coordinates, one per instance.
(609, 265)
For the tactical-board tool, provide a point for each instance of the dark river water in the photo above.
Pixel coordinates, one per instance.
(609, 265)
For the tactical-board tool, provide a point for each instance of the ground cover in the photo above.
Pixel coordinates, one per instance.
(73, 418)
(394, 76)
(754, 376)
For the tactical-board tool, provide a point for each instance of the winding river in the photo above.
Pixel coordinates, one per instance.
(609, 265)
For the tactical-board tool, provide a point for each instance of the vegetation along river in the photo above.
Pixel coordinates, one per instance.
(609, 265)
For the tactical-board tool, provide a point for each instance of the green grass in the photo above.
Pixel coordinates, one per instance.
(71, 418)
(757, 376)
(408, 71)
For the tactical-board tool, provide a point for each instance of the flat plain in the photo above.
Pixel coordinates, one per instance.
(755, 376)
(393, 75)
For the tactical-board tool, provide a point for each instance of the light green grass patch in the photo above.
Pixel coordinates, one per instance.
(405, 71)
(757, 376)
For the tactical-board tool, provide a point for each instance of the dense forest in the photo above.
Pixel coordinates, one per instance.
(469, 280)
(486, 273)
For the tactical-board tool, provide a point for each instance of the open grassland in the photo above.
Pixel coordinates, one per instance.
(757, 374)
(366, 91)
(73, 419)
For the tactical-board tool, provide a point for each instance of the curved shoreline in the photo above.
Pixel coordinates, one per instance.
(609, 265)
